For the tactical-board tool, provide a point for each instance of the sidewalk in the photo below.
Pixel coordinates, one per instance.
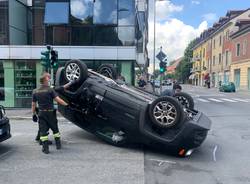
(24, 113)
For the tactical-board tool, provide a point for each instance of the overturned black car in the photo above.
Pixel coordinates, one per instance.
(119, 114)
(4, 125)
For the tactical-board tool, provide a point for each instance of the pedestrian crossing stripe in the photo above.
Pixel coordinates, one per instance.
(241, 100)
(202, 100)
(229, 100)
(215, 100)
(220, 100)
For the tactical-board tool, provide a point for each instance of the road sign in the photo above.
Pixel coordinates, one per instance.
(161, 56)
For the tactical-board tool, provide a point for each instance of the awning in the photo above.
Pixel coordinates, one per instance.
(192, 76)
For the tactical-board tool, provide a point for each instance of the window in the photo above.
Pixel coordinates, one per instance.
(126, 12)
(238, 49)
(81, 36)
(214, 43)
(203, 52)
(56, 13)
(227, 55)
(126, 36)
(220, 58)
(227, 35)
(61, 35)
(141, 20)
(213, 60)
(104, 35)
(244, 47)
(2, 91)
(105, 12)
(220, 40)
(82, 11)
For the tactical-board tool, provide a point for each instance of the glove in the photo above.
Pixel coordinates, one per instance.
(34, 118)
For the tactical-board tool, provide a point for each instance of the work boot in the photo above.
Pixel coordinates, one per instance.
(58, 143)
(49, 142)
(45, 148)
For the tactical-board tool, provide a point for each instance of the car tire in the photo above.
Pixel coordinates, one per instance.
(166, 112)
(108, 71)
(185, 100)
(75, 70)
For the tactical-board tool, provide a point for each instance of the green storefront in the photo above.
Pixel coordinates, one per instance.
(19, 77)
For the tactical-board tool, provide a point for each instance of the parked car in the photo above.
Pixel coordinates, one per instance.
(167, 82)
(4, 125)
(121, 114)
(157, 83)
(227, 87)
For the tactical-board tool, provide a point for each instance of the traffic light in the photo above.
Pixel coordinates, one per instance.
(45, 60)
(54, 59)
(162, 66)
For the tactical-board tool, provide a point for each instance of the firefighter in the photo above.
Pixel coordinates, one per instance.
(44, 96)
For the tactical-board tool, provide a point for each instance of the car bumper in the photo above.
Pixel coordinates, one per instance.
(189, 135)
(4, 129)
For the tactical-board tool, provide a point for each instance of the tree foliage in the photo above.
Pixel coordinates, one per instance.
(183, 69)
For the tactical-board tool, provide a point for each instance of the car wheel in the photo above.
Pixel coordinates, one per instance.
(185, 100)
(75, 70)
(108, 71)
(166, 112)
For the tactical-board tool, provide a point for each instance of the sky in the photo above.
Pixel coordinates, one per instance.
(180, 21)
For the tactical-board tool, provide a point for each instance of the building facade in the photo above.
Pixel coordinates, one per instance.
(94, 31)
(218, 47)
(240, 68)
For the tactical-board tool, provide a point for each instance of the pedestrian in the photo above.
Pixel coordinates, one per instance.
(44, 96)
(168, 92)
(141, 82)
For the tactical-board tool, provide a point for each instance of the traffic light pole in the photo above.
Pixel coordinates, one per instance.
(52, 77)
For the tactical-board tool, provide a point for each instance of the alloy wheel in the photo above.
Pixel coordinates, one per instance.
(72, 72)
(165, 113)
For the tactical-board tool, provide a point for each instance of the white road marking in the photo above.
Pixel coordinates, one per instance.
(162, 161)
(240, 100)
(202, 100)
(215, 100)
(225, 99)
(214, 152)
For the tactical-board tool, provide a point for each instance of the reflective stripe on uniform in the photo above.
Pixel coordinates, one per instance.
(44, 138)
(57, 135)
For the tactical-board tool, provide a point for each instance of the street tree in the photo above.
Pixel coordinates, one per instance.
(183, 70)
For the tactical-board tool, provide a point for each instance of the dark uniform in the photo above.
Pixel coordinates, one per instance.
(47, 119)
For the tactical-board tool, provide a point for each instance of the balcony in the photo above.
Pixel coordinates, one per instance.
(196, 58)
(195, 69)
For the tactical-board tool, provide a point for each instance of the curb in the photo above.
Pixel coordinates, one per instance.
(29, 118)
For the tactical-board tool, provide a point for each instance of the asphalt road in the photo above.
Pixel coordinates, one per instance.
(222, 159)
(82, 159)
(224, 156)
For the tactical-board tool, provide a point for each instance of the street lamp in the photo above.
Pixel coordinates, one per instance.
(154, 34)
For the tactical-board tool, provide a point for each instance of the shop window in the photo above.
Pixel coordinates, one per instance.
(126, 12)
(56, 13)
(81, 11)
(2, 90)
(25, 82)
(105, 12)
